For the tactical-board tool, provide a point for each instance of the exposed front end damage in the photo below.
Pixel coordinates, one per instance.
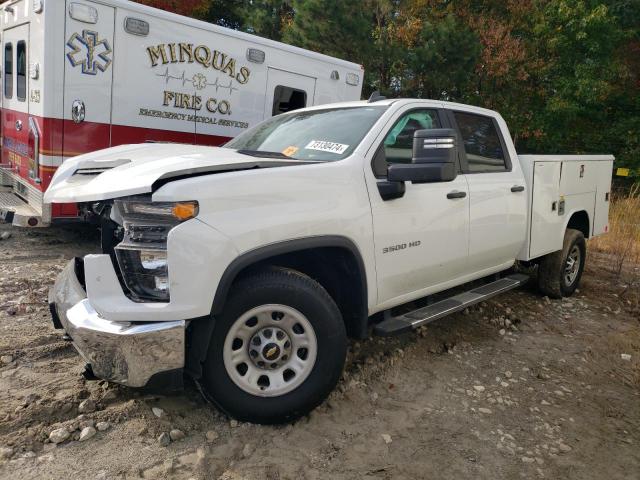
(132, 354)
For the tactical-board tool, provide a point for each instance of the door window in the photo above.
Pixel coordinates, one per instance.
(21, 70)
(8, 70)
(398, 144)
(286, 99)
(482, 143)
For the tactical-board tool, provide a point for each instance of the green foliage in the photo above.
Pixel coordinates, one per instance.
(334, 27)
(438, 65)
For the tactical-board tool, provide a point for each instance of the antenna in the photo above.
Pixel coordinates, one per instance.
(376, 97)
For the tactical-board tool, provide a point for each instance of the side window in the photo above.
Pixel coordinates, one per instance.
(21, 70)
(286, 99)
(8, 70)
(398, 144)
(481, 143)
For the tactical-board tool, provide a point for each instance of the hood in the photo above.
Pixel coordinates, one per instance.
(137, 169)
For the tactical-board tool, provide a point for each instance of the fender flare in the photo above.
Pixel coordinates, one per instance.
(288, 246)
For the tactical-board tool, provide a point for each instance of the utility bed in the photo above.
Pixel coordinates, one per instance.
(559, 186)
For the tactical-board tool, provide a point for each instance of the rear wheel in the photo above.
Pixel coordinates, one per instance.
(559, 273)
(277, 350)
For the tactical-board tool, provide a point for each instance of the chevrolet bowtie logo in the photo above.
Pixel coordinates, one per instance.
(271, 353)
(89, 51)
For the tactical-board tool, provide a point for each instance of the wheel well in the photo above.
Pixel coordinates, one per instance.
(339, 269)
(580, 221)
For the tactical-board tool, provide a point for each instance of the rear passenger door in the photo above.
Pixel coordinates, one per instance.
(497, 197)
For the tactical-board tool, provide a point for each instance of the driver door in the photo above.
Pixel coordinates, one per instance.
(421, 239)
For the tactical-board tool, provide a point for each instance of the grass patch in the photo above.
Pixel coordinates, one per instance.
(622, 243)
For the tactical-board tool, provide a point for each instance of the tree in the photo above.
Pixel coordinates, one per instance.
(268, 18)
(333, 27)
(440, 62)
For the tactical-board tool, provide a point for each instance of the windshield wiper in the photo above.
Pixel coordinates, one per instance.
(264, 154)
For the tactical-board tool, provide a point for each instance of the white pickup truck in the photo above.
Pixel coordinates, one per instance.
(249, 266)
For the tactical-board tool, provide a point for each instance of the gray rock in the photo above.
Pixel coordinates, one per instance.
(564, 448)
(6, 359)
(233, 423)
(102, 426)
(5, 235)
(110, 395)
(176, 435)
(5, 453)
(164, 439)
(386, 438)
(158, 412)
(59, 435)
(212, 436)
(87, 433)
(486, 411)
(528, 460)
(247, 450)
(87, 406)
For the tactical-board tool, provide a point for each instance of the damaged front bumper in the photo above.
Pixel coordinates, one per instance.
(135, 354)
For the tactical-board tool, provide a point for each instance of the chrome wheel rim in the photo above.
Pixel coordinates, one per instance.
(572, 266)
(270, 350)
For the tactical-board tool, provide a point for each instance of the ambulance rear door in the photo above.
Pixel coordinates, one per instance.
(89, 56)
(15, 105)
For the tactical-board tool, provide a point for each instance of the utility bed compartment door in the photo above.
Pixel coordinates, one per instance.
(88, 77)
(545, 221)
(603, 191)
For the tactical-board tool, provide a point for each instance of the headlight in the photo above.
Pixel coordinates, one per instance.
(142, 254)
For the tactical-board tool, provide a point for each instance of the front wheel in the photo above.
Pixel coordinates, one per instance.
(559, 273)
(278, 349)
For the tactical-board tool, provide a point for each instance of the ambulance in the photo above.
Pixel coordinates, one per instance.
(81, 75)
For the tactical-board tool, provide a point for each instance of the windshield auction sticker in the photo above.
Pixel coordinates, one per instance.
(330, 147)
(290, 151)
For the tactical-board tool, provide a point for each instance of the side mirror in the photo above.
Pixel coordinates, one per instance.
(434, 158)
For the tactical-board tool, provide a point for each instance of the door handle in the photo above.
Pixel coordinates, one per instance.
(456, 194)
(517, 188)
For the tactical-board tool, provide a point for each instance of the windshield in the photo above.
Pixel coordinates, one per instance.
(324, 135)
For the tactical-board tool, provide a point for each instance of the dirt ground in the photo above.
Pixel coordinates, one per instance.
(518, 387)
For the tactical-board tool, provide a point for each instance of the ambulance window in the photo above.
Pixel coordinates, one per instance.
(21, 70)
(286, 99)
(8, 70)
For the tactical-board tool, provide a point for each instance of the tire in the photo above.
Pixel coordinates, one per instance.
(559, 273)
(263, 312)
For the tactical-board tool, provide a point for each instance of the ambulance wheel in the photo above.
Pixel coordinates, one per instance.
(559, 273)
(277, 350)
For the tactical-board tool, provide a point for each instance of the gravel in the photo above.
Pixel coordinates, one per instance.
(87, 406)
(164, 439)
(103, 426)
(87, 433)
(59, 435)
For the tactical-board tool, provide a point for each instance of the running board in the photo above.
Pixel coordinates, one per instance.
(422, 316)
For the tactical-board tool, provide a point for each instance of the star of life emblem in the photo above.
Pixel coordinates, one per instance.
(88, 51)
